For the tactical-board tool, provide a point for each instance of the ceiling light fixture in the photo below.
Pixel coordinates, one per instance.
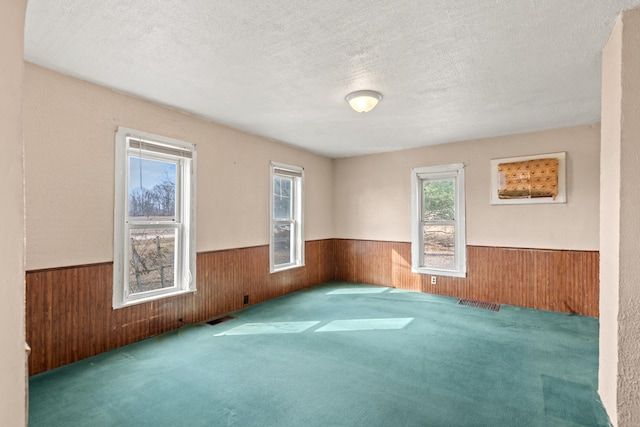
(363, 101)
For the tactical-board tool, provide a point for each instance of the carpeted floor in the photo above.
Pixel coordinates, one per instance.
(341, 354)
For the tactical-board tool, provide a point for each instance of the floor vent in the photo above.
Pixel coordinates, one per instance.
(479, 304)
(219, 320)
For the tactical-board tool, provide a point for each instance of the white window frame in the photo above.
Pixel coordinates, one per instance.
(183, 154)
(418, 175)
(297, 222)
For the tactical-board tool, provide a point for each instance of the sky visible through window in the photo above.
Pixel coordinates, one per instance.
(153, 172)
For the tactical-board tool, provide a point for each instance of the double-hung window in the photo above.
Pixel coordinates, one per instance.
(438, 243)
(154, 225)
(286, 248)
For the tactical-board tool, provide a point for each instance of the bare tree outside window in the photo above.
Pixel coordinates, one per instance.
(438, 212)
(152, 198)
(282, 211)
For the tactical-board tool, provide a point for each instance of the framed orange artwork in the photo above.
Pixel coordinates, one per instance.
(538, 178)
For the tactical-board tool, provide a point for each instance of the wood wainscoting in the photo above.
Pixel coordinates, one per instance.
(70, 316)
(557, 280)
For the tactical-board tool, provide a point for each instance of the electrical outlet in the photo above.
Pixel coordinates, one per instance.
(433, 280)
(246, 299)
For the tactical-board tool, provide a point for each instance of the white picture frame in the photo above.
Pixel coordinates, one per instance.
(561, 197)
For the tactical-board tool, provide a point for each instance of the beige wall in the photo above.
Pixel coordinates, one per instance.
(372, 193)
(69, 150)
(610, 220)
(12, 309)
(619, 374)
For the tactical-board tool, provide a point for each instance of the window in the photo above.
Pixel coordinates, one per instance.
(438, 228)
(154, 224)
(286, 248)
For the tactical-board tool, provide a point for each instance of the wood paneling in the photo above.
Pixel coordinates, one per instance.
(70, 315)
(565, 281)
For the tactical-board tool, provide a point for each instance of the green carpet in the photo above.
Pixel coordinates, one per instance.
(341, 354)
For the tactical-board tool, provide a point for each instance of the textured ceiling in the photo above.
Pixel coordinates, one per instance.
(449, 70)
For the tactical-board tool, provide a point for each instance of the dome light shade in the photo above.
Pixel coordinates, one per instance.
(363, 101)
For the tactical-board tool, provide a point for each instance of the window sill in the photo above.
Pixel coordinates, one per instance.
(138, 301)
(436, 272)
(288, 267)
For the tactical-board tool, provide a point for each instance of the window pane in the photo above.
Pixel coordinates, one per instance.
(282, 240)
(438, 199)
(152, 190)
(282, 207)
(439, 246)
(151, 259)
